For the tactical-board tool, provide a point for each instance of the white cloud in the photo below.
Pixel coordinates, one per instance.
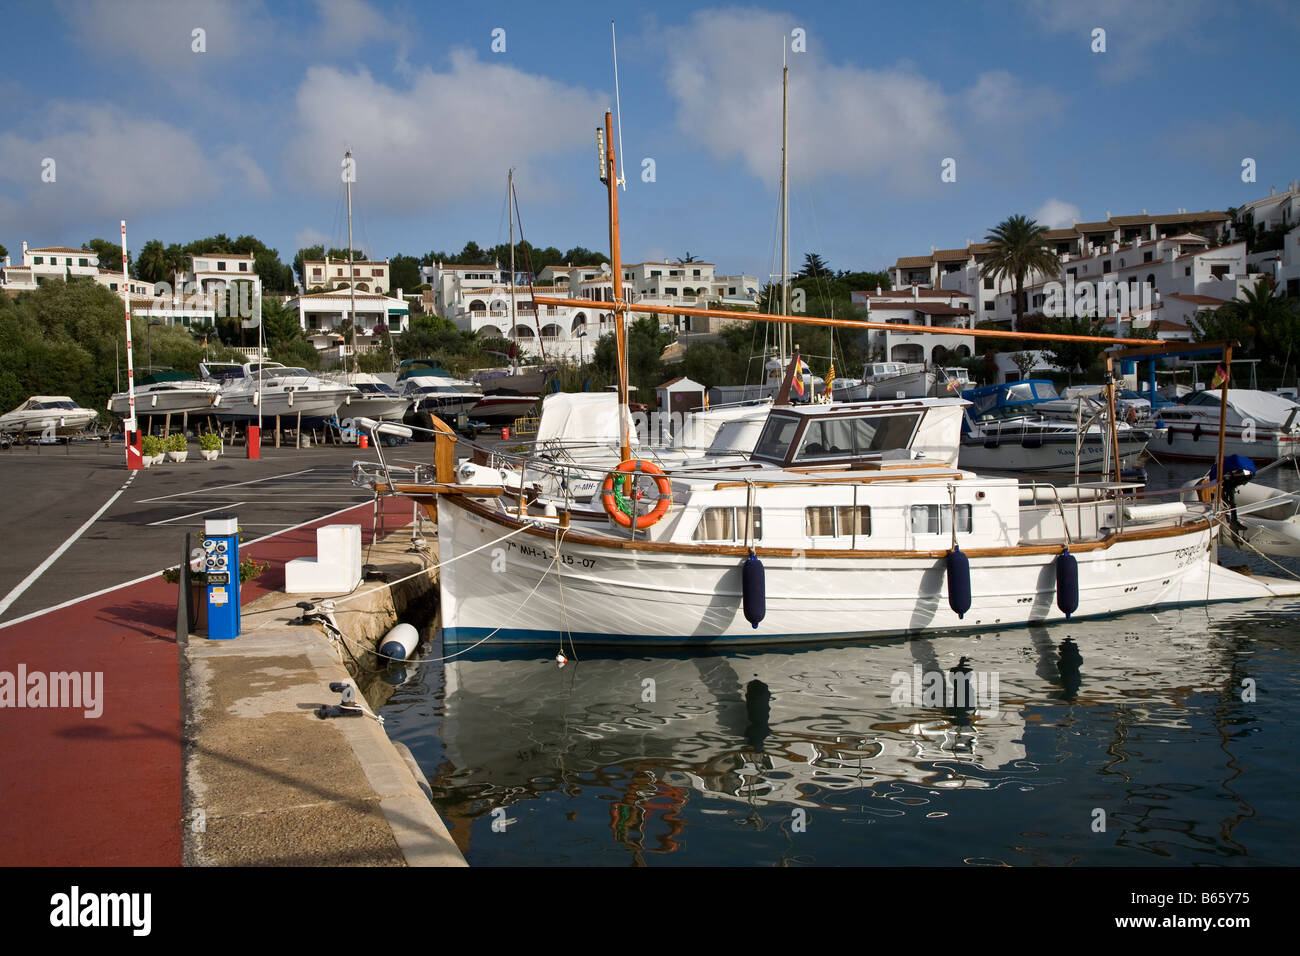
(107, 162)
(1000, 99)
(348, 24)
(1132, 29)
(724, 73)
(255, 181)
(160, 33)
(1057, 214)
(440, 138)
(311, 237)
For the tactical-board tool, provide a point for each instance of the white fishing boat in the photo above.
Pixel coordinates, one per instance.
(882, 380)
(847, 520)
(51, 415)
(167, 392)
(276, 389)
(503, 405)
(1260, 425)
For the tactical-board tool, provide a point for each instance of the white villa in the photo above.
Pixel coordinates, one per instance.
(477, 298)
(938, 308)
(322, 316)
(336, 273)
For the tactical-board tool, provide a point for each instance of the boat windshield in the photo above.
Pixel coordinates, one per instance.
(44, 405)
(778, 433)
(856, 437)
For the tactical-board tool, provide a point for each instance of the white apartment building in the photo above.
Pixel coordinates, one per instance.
(49, 262)
(1122, 278)
(934, 308)
(336, 273)
(449, 284)
(1275, 209)
(322, 316)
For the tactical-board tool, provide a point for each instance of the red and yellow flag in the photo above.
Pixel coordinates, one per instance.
(1220, 376)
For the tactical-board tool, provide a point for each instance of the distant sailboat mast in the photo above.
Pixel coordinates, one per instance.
(510, 211)
(352, 272)
(782, 331)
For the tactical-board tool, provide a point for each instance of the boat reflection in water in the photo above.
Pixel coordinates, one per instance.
(1010, 733)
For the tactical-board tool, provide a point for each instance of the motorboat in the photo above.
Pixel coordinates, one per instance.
(275, 389)
(890, 380)
(377, 399)
(49, 416)
(1026, 427)
(167, 392)
(779, 547)
(1260, 517)
(847, 520)
(1259, 425)
(439, 395)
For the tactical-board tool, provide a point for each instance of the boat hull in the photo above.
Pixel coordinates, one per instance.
(69, 423)
(169, 402)
(312, 407)
(517, 591)
(1052, 454)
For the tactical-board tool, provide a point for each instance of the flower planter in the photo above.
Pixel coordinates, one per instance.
(210, 455)
(159, 458)
(177, 455)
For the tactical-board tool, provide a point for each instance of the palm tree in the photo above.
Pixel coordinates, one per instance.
(1264, 317)
(1018, 249)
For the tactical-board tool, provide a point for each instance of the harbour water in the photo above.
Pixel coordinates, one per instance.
(1145, 739)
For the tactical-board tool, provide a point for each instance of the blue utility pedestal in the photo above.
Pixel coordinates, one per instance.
(221, 562)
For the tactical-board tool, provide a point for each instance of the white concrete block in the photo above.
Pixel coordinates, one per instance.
(336, 569)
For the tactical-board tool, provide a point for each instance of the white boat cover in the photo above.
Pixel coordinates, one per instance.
(1266, 409)
(587, 417)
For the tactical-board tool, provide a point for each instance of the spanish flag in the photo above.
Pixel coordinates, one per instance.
(798, 377)
(830, 377)
(1220, 376)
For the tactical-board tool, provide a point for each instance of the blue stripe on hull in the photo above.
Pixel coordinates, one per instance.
(464, 636)
(458, 637)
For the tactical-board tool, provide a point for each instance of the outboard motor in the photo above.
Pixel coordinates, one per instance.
(1237, 471)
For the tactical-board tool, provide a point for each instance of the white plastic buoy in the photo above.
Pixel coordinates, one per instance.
(399, 642)
(561, 659)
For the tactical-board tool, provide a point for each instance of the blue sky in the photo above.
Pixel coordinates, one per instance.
(247, 136)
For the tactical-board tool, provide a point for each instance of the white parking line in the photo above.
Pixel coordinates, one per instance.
(32, 578)
(146, 577)
(154, 524)
(237, 484)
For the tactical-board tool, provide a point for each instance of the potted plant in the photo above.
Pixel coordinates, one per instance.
(151, 450)
(210, 445)
(177, 447)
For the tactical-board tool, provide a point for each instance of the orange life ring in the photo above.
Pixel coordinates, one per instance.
(610, 498)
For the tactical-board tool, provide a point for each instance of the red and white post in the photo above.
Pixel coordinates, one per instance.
(130, 428)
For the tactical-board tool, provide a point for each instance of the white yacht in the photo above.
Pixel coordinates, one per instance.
(284, 391)
(167, 392)
(1260, 425)
(57, 415)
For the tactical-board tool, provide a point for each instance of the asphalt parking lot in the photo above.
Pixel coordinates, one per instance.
(49, 553)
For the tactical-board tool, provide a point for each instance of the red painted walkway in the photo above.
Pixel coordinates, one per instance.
(76, 791)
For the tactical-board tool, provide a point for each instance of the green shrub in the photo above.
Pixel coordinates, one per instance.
(151, 445)
(209, 441)
(176, 442)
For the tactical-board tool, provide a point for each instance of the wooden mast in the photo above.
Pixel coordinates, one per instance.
(352, 272)
(510, 199)
(782, 332)
(610, 175)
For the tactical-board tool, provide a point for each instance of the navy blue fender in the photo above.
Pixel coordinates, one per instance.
(754, 588)
(1067, 583)
(958, 582)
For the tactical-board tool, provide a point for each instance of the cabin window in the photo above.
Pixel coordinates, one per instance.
(854, 437)
(844, 521)
(775, 440)
(729, 524)
(937, 519)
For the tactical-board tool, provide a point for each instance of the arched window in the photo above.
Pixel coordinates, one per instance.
(477, 305)
(523, 332)
(552, 331)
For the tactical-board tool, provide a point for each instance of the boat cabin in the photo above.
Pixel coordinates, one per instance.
(862, 434)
